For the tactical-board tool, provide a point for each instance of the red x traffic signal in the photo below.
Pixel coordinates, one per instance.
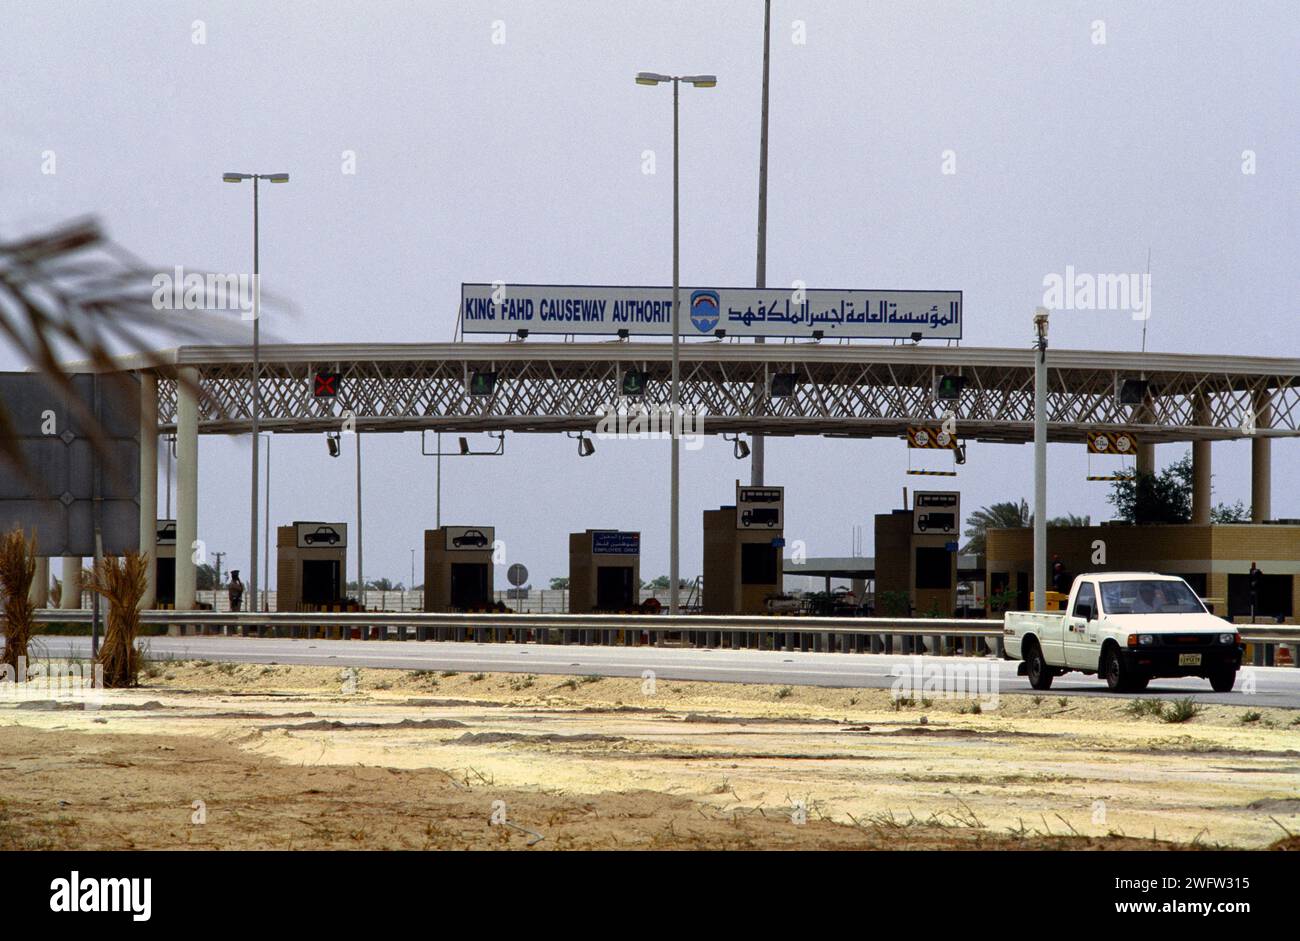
(327, 385)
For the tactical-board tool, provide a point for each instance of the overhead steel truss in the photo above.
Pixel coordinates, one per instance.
(852, 390)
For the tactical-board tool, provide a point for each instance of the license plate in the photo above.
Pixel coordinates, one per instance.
(1189, 659)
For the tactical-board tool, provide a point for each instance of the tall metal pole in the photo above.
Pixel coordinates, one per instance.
(257, 374)
(437, 514)
(1040, 461)
(266, 535)
(760, 273)
(674, 592)
(171, 444)
(361, 577)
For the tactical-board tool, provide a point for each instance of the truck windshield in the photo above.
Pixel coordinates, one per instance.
(1149, 597)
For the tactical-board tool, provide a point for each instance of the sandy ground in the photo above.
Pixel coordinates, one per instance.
(251, 756)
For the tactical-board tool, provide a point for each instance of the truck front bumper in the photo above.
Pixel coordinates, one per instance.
(1171, 661)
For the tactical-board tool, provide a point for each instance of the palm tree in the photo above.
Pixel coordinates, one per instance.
(1007, 515)
(1069, 519)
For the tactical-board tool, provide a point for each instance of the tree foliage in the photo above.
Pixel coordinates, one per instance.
(1155, 498)
(1006, 515)
(1167, 498)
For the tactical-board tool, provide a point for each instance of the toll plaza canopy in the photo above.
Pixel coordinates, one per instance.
(855, 390)
(793, 388)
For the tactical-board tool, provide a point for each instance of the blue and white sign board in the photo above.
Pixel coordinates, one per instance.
(741, 312)
(612, 542)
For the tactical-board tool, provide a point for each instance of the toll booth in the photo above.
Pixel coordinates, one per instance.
(1214, 559)
(311, 566)
(458, 568)
(604, 571)
(916, 557)
(165, 565)
(742, 552)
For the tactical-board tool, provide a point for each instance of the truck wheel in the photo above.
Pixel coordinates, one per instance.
(1118, 679)
(1040, 674)
(1222, 681)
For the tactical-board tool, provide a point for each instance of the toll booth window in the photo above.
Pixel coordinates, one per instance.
(933, 567)
(1274, 598)
(758, 564)
(165, 581)
(469, 585)
(321, 582)
(1197, 580)
(614, 587)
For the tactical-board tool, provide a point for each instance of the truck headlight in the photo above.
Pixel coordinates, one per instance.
(1146, 640)
(1227, 638)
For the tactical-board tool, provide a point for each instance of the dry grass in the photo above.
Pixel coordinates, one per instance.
(122, 583)
(17, 569)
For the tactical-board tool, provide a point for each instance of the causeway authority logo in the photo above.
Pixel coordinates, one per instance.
(704, 310)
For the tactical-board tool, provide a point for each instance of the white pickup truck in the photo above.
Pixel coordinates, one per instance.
(1128, 627)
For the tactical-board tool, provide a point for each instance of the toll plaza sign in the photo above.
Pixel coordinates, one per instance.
(936, 511)
(740, 312)
(469, 538)
(321, 535)
(613, 542)
(760, 507)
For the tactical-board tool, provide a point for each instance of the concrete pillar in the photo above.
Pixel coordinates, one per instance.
(71, 598)
(1261, 463)
(1146, 458)
(187, 486)
(149, 484)
(40, 591)
(1201, 473)
(1202, 466)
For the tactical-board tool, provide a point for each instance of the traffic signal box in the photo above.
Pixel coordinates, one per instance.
(742, 552)
(311, 566)
(458, 568)
(165, 565)
(604, 571)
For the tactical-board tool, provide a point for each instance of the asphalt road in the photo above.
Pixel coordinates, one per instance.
(1273, 686)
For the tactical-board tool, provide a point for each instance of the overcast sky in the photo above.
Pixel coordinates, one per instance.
(504, 140)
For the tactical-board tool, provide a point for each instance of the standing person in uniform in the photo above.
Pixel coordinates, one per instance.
(235, 591)
(1060, 581)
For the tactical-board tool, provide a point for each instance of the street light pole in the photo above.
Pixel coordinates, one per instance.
(757, 452)
(361, 576)
(674, 557)
(266, 534)
(234, 177)
(257, 382)
(674, 591)
(1040, 460)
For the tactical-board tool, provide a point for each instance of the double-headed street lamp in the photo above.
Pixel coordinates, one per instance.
(699, 81)
(257, 370)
